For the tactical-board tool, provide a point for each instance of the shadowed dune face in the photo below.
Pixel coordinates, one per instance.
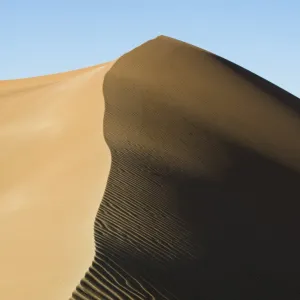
(202, 199)
(54, 166)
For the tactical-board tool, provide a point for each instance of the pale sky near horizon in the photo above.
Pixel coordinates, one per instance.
(44, 37)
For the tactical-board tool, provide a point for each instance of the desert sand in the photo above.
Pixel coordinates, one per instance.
(185, 167)
(54, 167)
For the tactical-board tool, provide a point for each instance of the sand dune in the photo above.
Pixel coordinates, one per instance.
(198, 163)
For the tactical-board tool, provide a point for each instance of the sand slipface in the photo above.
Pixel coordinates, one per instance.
(54, 167)
(202, 199)
(202, 196)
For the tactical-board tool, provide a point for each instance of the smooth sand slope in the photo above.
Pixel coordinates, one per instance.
(202, 197)
(54, 165)
(202, 200)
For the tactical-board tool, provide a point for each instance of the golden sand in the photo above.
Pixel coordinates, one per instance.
(195, 162)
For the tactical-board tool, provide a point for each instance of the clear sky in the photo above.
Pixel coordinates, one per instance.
(39, 37)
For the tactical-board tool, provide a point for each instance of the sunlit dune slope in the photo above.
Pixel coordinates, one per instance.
(54, 165)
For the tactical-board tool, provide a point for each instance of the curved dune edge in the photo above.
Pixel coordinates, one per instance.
(54, 167)
(202, 198)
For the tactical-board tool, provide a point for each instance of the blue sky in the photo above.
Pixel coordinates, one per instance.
(43, 37)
